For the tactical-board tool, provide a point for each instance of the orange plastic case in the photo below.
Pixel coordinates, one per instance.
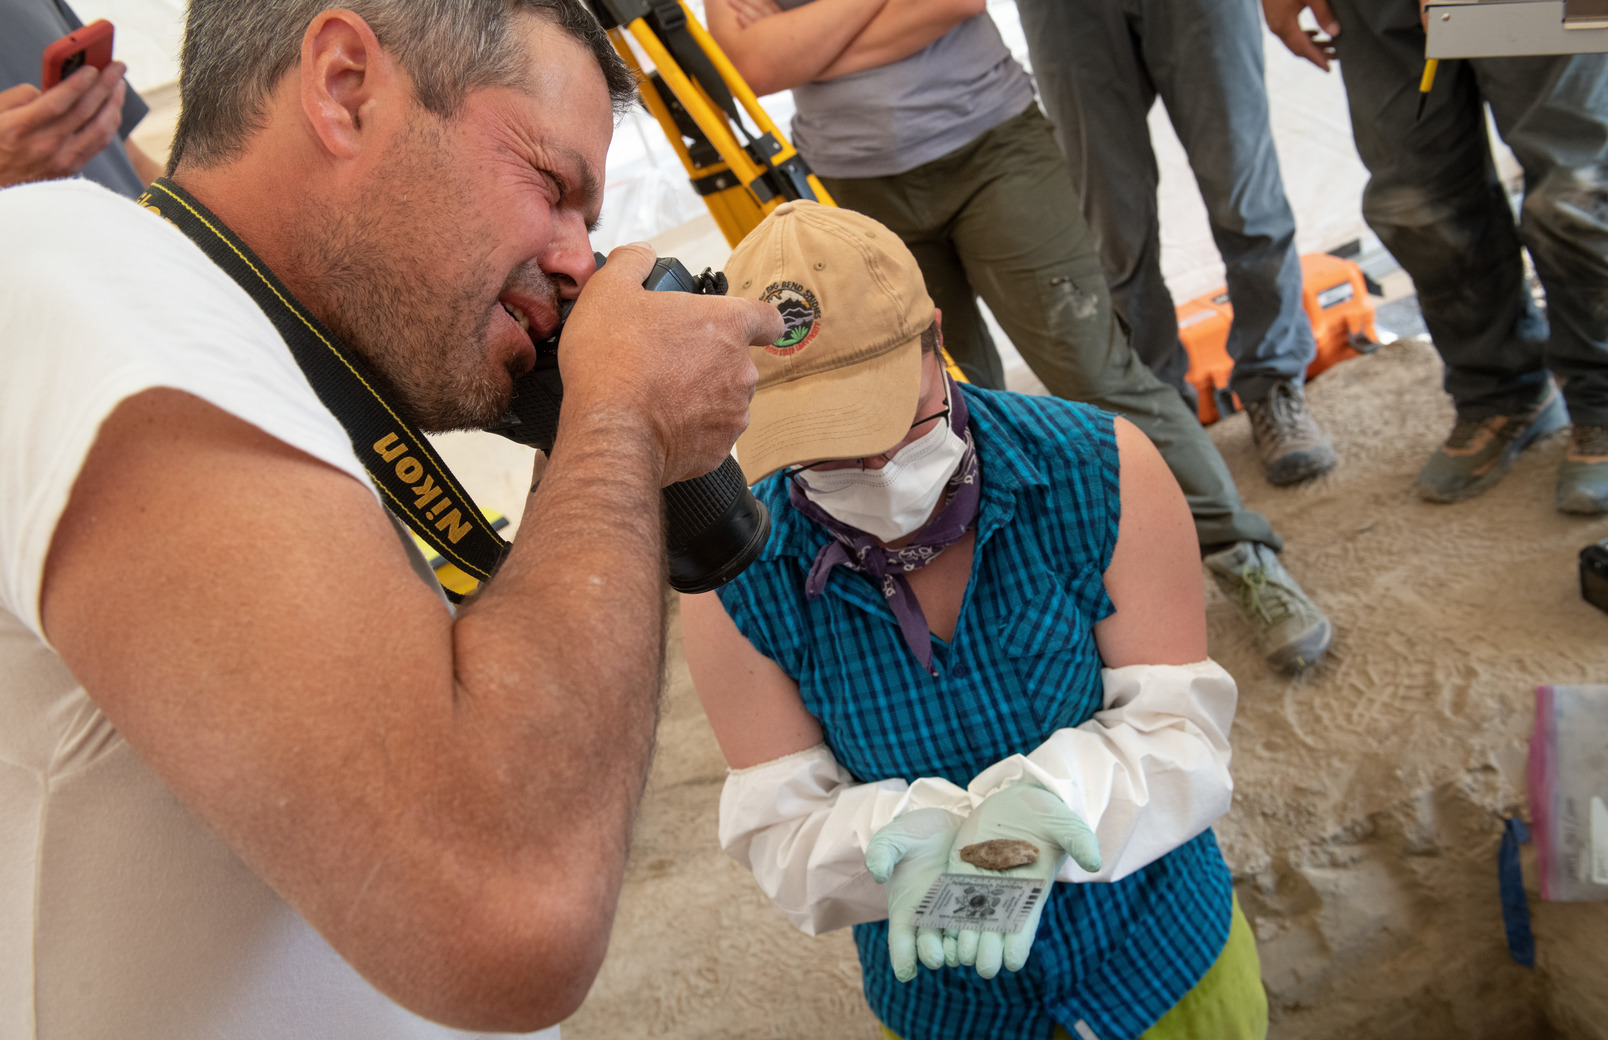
(1336, 301)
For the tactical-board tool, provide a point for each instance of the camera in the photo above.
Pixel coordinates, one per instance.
(715, 527)
(1594, 574)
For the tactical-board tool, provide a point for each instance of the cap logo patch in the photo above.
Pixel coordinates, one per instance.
(801, 316)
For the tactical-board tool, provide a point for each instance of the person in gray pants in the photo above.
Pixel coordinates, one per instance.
(1435, 201)
(914, 113)
(1100, 65)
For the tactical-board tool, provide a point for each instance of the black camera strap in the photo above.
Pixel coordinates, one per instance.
(396, 455)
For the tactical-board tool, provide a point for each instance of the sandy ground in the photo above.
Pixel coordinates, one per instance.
(1370, 793)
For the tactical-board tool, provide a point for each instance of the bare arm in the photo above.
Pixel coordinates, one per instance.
(1154, 575)
(447, 802)
(899, 30)
(788, 48)
(753, 706)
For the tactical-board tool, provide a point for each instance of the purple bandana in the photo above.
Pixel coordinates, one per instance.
(861, 552)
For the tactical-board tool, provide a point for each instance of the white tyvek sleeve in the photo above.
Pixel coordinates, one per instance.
(1147, 773)
(801, 824)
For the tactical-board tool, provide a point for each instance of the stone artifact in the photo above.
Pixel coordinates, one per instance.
(1000, 854)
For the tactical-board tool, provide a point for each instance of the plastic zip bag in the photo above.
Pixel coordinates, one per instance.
(1569, 791)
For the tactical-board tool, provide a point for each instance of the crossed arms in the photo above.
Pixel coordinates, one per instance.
(778, 50)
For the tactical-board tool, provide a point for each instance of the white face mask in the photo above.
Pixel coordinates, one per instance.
(897, 499)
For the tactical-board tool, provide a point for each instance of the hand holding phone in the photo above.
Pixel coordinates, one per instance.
(91, 45)
(45, 134)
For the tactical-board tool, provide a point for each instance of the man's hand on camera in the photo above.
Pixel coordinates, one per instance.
(53, 133)
(677, 360)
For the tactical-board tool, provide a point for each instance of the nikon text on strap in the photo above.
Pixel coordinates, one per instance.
(415, 482)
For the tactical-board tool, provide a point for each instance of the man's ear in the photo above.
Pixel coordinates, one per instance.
(344, 75)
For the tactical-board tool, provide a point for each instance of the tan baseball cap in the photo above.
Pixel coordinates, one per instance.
(844, 380)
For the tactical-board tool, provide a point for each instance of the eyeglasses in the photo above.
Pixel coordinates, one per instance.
(792, 471)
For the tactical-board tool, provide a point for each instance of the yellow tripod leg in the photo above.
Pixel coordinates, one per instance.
(744, 95)
(733, 207)
(728, 186)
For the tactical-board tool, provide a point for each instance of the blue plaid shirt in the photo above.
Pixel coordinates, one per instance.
(1022, 664)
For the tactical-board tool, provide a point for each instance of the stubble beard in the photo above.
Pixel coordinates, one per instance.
(402, 294)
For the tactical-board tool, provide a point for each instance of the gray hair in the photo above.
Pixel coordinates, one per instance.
(235, 53)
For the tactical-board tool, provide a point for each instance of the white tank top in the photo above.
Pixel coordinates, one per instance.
(121, 914)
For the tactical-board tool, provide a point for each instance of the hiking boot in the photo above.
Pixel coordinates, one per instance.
(1292, 446)
(1292, 631)
(1479, 451)
(1583, 477)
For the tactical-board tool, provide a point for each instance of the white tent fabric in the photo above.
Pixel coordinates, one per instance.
(148, 36)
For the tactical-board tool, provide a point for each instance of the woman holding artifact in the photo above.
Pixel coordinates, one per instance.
(975, 645)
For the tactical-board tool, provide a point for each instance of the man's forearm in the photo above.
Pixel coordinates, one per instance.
(566, 643)
(446, 801)
(900, 29)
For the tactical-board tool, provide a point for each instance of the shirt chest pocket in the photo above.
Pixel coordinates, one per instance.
(1049, 644)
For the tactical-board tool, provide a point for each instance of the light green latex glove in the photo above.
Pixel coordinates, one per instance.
(907, 856)
(1027, 812)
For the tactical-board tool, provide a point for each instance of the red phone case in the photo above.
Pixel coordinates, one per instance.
(91, 45)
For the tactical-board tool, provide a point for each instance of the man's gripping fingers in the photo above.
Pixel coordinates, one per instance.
(632, 262)
(765, 324)
(32, 109)
(681, 358)
(81, 102)
(96, 134)
(43, 108)
(95, 90)
(756, 323)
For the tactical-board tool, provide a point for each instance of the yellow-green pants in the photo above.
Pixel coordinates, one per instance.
(1226, 1004)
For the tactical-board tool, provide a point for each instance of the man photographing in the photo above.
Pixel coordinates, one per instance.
(256, 780)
